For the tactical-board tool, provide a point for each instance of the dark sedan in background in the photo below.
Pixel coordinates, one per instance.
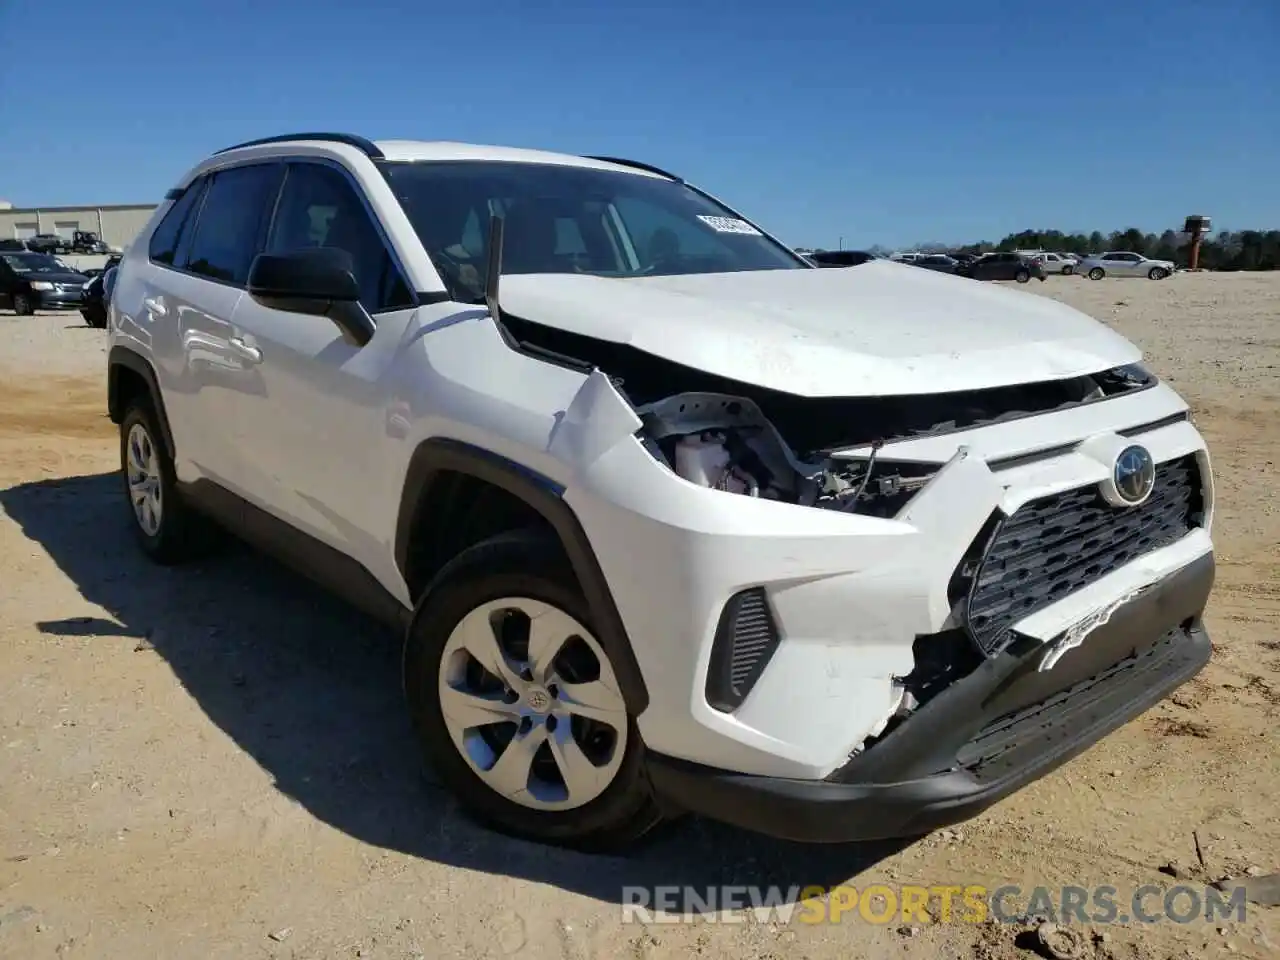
(841, 258)
(35, 281)
(1002, 266)
(97, 293)
(937, 261)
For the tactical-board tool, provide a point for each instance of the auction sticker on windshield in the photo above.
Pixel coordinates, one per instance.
(729, 225)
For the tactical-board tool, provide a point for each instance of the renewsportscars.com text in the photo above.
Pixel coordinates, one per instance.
(908, 904)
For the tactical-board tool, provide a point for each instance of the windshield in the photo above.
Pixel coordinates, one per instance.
(566, 219)
(35, 263)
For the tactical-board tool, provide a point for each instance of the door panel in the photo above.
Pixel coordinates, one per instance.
(216, 370)
(184, 314)
(318, 428)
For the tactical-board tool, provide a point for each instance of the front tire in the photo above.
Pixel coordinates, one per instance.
(22, 305)
(1157, 273)
(1068, 270)
(1097, 273)
(167, 530)
(516, 704)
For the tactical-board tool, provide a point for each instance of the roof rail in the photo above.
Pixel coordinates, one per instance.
(636, 164)
(367, 147)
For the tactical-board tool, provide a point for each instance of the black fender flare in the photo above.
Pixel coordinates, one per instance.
(439, 454)
(122, 357)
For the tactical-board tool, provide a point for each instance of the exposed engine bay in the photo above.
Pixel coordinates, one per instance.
(726, 443)
(729, 435)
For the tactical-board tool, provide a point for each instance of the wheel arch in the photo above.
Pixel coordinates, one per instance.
(438, 463)
(129, 373)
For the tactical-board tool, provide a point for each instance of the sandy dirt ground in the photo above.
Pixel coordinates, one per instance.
(214, 761)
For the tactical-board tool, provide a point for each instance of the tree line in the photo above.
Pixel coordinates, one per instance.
(1226, 250)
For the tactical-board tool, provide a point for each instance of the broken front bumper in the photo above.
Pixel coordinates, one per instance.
(1007, 723)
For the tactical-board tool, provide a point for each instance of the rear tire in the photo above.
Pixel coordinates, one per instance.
(1097, 273)
(477, 690)
(1022, 276)
(167, 529)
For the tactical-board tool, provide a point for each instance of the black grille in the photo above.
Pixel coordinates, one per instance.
(745, 640)
(1051, 547)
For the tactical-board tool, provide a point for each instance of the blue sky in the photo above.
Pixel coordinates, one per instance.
(878, 122)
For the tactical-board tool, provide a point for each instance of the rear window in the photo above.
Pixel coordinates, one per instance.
(168, 233)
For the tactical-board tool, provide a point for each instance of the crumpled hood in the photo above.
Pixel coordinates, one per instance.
(878, 329)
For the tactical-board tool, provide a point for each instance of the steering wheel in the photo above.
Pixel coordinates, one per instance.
(464, 272)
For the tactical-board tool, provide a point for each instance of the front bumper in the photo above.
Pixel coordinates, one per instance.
(1003, 726)
(67, 299)
(850, 595)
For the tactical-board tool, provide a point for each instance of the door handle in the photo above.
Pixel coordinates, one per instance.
(239, 347)
(155, 306)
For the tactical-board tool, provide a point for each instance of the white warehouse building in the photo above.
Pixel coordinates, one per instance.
(117, 224)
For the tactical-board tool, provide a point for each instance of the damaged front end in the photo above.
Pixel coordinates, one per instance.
(805, 578)
(727, 443)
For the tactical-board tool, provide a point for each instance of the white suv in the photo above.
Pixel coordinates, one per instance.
(671, 520)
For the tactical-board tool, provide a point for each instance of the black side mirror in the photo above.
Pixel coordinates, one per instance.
(318, 281)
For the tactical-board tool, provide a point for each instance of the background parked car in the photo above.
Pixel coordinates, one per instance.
(97, 294)
(30, 281)
(1002, 266)
(1056, 263)
(14, 245)
(92, 272)
(47, 243)
(87, 241)
(841, 258)
(1125, 264)
(939, 262)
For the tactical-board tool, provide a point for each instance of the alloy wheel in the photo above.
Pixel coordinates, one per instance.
(532, 704)
(143, 464)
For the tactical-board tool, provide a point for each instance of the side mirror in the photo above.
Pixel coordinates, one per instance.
(318, 281)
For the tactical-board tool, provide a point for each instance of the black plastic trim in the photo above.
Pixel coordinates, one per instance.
(509, 329)
(122, 357)
(911, 781)
(638, 165)
(440, 454)
(175, 193)
(966, 571)
(722, 692)
(302, 553)
(1048, 453)
(367, 147)
(1168, 421)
